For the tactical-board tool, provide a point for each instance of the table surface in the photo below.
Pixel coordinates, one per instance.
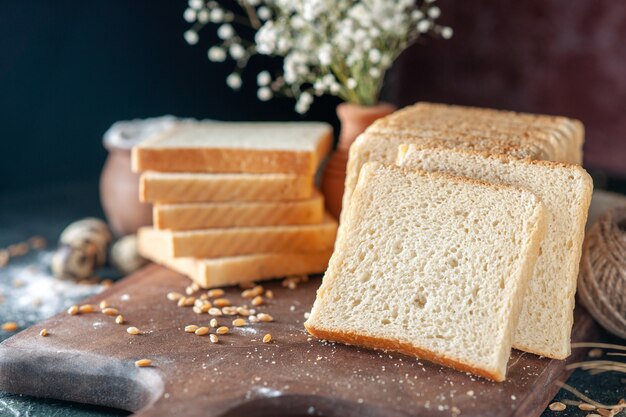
(46, 211)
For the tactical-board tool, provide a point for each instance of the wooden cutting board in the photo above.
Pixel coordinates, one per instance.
(90, 359)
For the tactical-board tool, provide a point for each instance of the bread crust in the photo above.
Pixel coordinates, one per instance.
(352, 338)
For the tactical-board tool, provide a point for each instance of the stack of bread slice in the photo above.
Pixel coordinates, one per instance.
(236, 202)
(455, 249)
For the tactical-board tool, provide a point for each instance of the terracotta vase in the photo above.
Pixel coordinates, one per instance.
(119, 194)
(354, 120)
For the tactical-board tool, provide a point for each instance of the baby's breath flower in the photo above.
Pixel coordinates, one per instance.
(216, 54)
(191, 37)
(217, 15)
(351, 83)
(234, 81)
(225, 31)
(264, 13)
(447, 32)
(423, 26)
(204, 16)
(434, 12)
(374, 56)
(236, 51)
(196, 4)
(263, 78)
(264, 94)
(189, 15)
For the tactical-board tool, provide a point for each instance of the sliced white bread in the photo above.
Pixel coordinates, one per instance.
(234, 241)
(547, 316)
(261, 147)
(217, 272)
(432, 266)
(174, 187)
(193, 216)
(382, 147)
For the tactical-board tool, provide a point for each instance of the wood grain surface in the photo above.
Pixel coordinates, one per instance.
(90, 359)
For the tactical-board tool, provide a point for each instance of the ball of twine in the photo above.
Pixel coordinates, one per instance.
(602, 278)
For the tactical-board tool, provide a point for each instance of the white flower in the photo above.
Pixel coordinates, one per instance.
(423, 26)
(335, 88)
(189, 15)
(225, 31)
(264, 13)
(325, 54)
(236, 51)
(374, 56)
(191, 37)
(263, 78)
(196, 4)
(375, 72)
(351, 83)
(446, 32)
(264, 94)
(204, 16)
(234, 81)
(216, 54)
(217, 15)
(417, 15)
(434, 12)
(304, 102)
(253, 2)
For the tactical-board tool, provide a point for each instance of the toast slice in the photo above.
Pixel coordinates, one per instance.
(234, 241)
(254, 147)
(174, 187)
(547, 317)
(432, 266)
(217, 272)
(193, 216)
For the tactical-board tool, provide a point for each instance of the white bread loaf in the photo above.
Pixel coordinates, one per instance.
(237, 214)
(234, 241)
(547, 316)
(175, 187)
(233, 270)
(485, 130)
(433, 266)
(253, 147)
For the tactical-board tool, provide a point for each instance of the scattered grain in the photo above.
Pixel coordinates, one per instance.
(19, 249)
(206, 307)
(133, 330)
(142, 363)
(557, 406)
(269, 294)
(189, 290)
(247, 285)
(229, 311)
(103, 304)
(586, 407)
(43, 333)
(253, 319)
(9, 326)
(213, 323)
(110, 311)
(267, 338)
(239, 322)
(106, 283)
(119, 319)
(73, 310)
(191, 328)
(264, 317)
(604, 412)
(186, 301)
(214, 338)
(86, 308)
(595, 353)
(222, 302)
(215, 293)
(222, 330)
(4, 257)
(257, 301)
(37, 242)
(202, 331)
(197, 310)
(215, 311)
(174, 296)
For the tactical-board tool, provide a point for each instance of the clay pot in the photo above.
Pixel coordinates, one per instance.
(354, 120)
(119, 194)
(119, 185)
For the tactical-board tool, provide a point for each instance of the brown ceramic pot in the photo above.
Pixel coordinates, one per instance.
(119, 194)
(354, 120)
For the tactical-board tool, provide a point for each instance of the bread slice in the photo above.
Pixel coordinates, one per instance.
(547, 316)
(174, 187)
(382, 147)
(217, 272)
(235, 214)
(563, 135)
(261, 147)
(214, 243)
(432, 266)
